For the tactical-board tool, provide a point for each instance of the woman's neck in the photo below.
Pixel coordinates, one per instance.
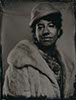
(49, 50)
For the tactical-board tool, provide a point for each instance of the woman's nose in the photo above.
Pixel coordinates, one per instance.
(45, 32)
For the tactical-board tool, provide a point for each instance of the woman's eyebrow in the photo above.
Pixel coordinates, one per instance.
(50, 22)
(40, 24)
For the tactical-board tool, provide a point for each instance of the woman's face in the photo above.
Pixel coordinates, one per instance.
(46, 32)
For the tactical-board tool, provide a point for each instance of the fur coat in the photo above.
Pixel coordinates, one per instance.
(29, 75)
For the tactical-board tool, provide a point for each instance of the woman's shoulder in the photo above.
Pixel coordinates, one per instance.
(21, 54)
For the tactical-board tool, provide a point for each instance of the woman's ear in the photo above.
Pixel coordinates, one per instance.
(60, 32)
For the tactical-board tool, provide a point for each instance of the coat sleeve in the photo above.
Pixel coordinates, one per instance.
(16, 82)
(16, 79)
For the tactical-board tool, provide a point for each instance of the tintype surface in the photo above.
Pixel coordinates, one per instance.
(38, 49)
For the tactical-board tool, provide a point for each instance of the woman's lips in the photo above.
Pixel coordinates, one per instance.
(47, 38)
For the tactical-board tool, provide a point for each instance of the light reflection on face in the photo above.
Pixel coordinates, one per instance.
(46, 32)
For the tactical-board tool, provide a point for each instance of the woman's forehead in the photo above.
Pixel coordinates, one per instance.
(42, 21)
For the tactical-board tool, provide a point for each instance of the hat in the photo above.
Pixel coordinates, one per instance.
(41, 10)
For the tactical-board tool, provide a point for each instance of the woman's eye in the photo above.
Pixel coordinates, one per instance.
(40, 27)
(51, 25)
